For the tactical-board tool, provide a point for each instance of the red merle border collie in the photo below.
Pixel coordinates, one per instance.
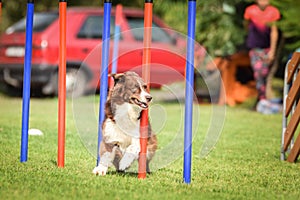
(120, 145)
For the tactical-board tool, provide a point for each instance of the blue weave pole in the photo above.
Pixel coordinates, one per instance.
(104, 70)
(188, 120)
(26, 81)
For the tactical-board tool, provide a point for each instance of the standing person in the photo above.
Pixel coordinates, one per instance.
(262, 40)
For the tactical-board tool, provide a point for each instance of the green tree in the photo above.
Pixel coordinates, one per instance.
(289, 24)
(220, 27)
(220, 24)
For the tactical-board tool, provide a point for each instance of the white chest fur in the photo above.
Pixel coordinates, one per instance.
(125, 127)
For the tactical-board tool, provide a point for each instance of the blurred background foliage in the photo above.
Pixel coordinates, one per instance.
(219, 22)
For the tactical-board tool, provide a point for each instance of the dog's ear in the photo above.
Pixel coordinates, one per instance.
(117, 77)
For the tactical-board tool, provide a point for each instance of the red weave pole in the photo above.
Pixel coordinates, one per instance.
(119, 12)
(146, 77)
(62, 84)
(0, 12)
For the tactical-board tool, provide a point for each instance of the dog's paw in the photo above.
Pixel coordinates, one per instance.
(126, 161)
(100, 170)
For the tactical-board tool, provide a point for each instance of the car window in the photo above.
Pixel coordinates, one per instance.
(40, 22)
(137, 28)
(93, 26)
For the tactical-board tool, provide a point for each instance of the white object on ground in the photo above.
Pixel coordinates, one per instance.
(34, 131)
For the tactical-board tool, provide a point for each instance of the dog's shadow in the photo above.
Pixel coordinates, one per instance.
(124, 174)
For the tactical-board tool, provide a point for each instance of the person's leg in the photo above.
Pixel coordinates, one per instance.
(260, 68)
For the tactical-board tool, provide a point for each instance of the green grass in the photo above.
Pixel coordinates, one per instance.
(243, 165)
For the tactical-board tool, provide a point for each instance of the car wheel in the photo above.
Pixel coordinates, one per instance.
(75, 83)
(207, 85)
(10, 90)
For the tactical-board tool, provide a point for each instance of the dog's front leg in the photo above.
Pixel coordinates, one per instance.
(105, 162)
(131, 154)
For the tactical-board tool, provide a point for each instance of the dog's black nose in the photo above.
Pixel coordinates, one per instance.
(148, 98)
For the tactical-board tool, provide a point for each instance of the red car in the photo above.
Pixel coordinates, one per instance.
(84, 29)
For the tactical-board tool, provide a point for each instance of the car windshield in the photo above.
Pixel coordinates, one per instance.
(93, 27)
(40, 22)
(137, 26)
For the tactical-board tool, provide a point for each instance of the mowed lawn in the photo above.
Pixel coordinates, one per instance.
(244, 164)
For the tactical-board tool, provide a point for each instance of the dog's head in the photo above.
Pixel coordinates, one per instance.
(129, 87)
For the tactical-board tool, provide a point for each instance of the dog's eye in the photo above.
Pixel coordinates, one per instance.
(145, 87)
(135, 90)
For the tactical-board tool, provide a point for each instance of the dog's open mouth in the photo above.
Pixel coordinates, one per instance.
(139, 103)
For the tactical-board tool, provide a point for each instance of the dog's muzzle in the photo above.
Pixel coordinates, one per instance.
(142, 101)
